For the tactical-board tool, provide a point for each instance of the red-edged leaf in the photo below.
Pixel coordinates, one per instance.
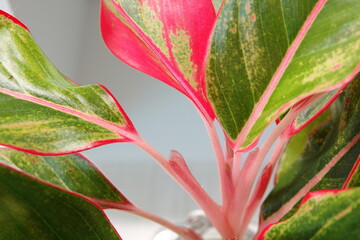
(72, 172)
(163, 38)
(330, 214)
(43, 112)
(266, 56)
(320, 156)
(31, 209)
(313, 111)
(353, 179)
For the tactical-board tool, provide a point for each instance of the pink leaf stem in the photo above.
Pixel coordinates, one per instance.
(182, 175)
(279, 73)
(286, 207)
(186, 233)
(237, 165)
(224, 166)
(246, 180)
(263, 182)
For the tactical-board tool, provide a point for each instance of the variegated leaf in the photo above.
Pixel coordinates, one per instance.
(30, 209)
(268, 55)
(71, 172)
(321, 156)
(43, 112)
(322, 215)
(163, 38)
(313, 111)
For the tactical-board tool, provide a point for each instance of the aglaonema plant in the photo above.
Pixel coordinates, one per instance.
(244, 64)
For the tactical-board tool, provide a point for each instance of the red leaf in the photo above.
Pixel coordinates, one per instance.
(165, 39)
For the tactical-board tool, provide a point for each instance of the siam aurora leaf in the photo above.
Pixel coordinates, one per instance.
(320, 156)
(43, 112)
(71, 172)
(30, 209)
(165, 39)
(313, 111)
(322, 215)
(268, 55)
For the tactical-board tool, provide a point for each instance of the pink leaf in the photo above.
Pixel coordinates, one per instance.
(165, 39)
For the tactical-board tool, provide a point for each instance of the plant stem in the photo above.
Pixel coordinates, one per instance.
(246, 180)
(182, 175)
(186, 233)
(224, 167)
(263, 183)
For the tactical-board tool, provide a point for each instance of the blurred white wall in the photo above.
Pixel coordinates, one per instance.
(68, 32)
(5, 6)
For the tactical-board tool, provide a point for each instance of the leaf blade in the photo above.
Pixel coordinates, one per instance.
(239, 90)
(31, 206)
(330, 137)
(71, 172)
(35, 95)
(155, 37)
(323, 215)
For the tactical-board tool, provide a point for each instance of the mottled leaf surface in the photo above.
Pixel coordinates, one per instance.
(30, 209)
(72, 172)
(41, 110)
(313, 148)
(259, 65)
(324, 215)
(163, 38)
(309, 114)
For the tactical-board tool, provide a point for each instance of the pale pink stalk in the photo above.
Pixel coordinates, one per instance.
(186, 233)
(287, 206)
(188, 182)
(224, 167)
(237, 165)
(244, 184)
(262, 184)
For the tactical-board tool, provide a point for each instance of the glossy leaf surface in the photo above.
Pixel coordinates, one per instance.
(323, 215)
(165, 39)
(71, 172)
(30, 209)
(267, 55)
(321, 156)
(41, 111)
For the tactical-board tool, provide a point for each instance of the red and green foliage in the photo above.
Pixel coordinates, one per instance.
(244, 64)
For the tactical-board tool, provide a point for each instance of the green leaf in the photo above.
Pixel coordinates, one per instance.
(321, 156)
(323, 215)
(41, 111)
(354, 177)
(30, 209)
(313, 111)
(71, 172)
(267, 55)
